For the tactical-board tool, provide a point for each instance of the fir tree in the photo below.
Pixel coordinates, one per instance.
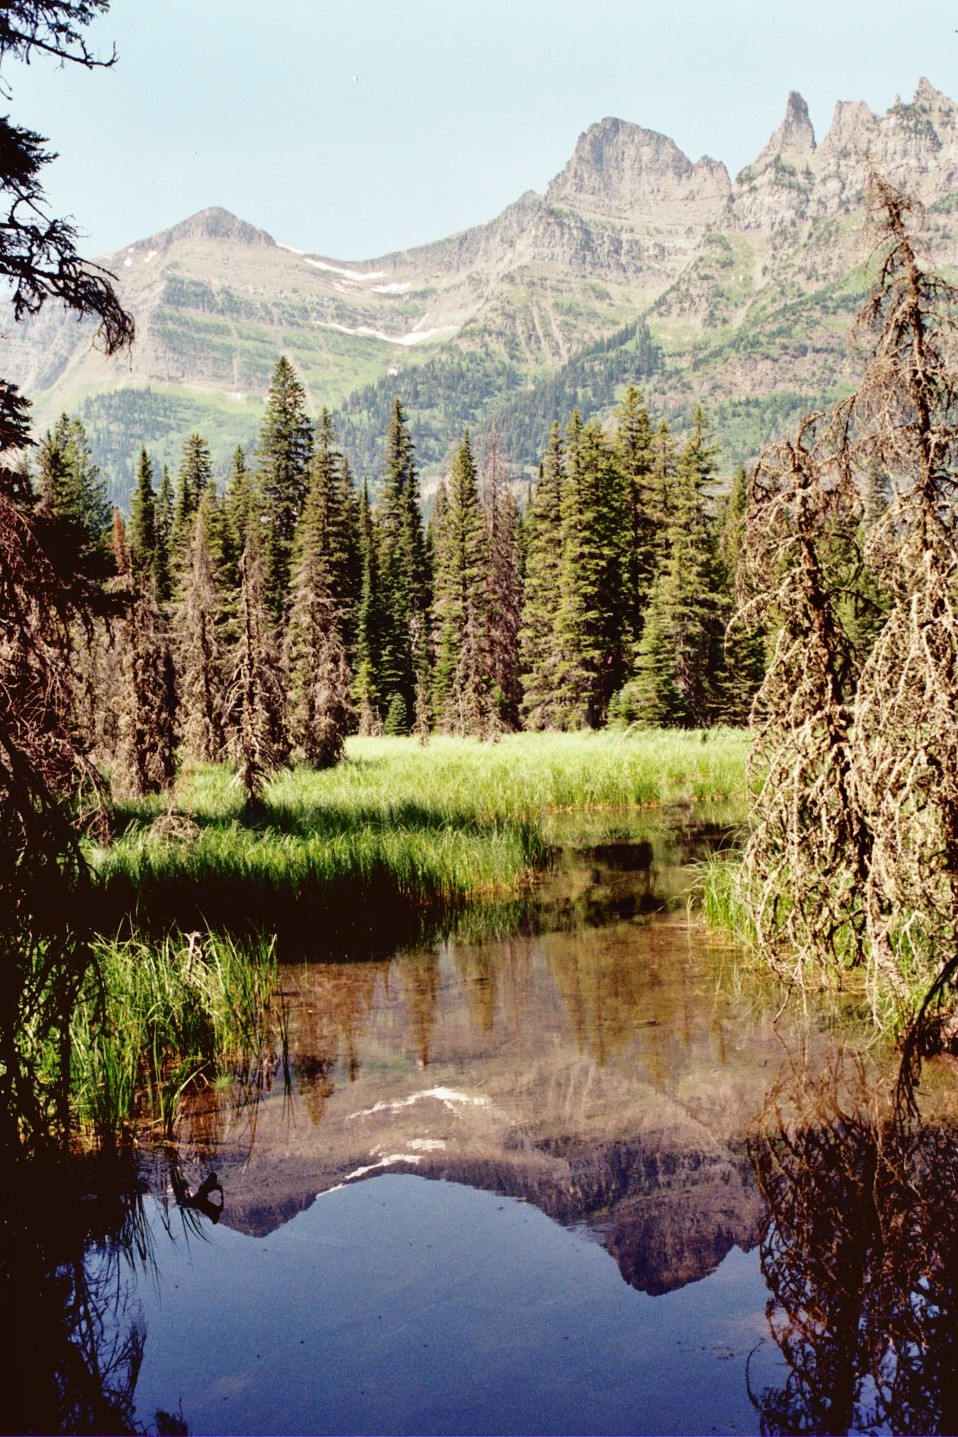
(745, 636)
(402, 565)
(282, 460)
(200, 660)
(369, 628)
(194, 477)
(257, 702)
(162, 570)
(145, 758)
(318, 674)
(590, 629)
(504, 596)
(462, 678)
(73, 516)
(538, 651)
(142, 532)
(679, 660)
(634, 452)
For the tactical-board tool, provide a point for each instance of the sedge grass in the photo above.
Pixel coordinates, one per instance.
(395, 831)
(156, 1020)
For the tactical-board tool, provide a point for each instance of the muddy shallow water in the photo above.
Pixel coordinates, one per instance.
(511, 1186)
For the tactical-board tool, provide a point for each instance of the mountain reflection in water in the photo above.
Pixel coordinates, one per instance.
(788, 1258)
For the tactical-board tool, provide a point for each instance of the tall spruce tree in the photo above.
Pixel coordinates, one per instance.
(538, 650)
(462, 689)
(336, 523)
(163, 571)
(403, 574)
(282, 461)
(199, 650)
(369, 627)
(504, 589)
(746, 639)
(142, 532)
(679, 664)
(72, 510)
(316, 667)
(590, 627)
(634, 451)
(194, 477)
(145, 756)
(258, 735)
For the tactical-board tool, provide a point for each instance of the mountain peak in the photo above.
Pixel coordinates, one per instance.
(619, 169)
(218, 224)
(794, 141)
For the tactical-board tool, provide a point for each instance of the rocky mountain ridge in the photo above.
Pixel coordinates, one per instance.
(744, 287)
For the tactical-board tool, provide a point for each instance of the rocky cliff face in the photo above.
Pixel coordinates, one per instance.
(740, 280)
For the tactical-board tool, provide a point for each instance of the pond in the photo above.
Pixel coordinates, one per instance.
(537, 1182)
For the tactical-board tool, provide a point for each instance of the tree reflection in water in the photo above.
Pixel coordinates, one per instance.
(74, 1340)
(859, 1249)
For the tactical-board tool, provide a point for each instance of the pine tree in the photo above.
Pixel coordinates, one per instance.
(72, 511)
(462, 685)
(200, 659)
(590, 629)
(316, 667)
(538, 650)
(745, 637)
(163, 566)
(145, 758)
(404, 583)
(194, 477)
(679, 665)
(282, 461)
(142, 531)
(256, 701)
(504, 593)
(369, 628)
(634, 452)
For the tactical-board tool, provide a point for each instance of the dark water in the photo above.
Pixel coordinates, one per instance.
(582, 1178)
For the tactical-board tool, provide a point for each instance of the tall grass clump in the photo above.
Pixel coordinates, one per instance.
(393, 832)
(157, 1021)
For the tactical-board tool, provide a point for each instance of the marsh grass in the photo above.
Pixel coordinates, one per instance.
(395, 839)
(159, 1020)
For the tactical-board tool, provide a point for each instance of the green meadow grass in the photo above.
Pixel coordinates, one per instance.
(397, 832)
(385, 848)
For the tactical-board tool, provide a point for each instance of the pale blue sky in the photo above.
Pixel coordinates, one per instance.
(353, 127)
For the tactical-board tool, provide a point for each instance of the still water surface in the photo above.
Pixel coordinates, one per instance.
(508, 1188)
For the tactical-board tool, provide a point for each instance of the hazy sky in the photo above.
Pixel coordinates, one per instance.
(353, 127)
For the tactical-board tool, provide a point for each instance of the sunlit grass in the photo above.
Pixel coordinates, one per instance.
(156, 1020)
(396, 829)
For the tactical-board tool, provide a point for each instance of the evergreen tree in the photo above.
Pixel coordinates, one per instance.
(163, 522)
(282, 461)
(200, 659)
(538, 651)
(142, 532)
(336, 524)
(256, 702)
(369, 628)
(403, 573)
(318, 674)
(145, 758)
(590, 628)
(634, 451)
(462, 679)
(194, 477)
(745, 636)
(504, 592)
(73, 516)
(679, 666)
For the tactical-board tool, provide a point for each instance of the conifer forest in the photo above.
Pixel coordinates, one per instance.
(552, 866)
